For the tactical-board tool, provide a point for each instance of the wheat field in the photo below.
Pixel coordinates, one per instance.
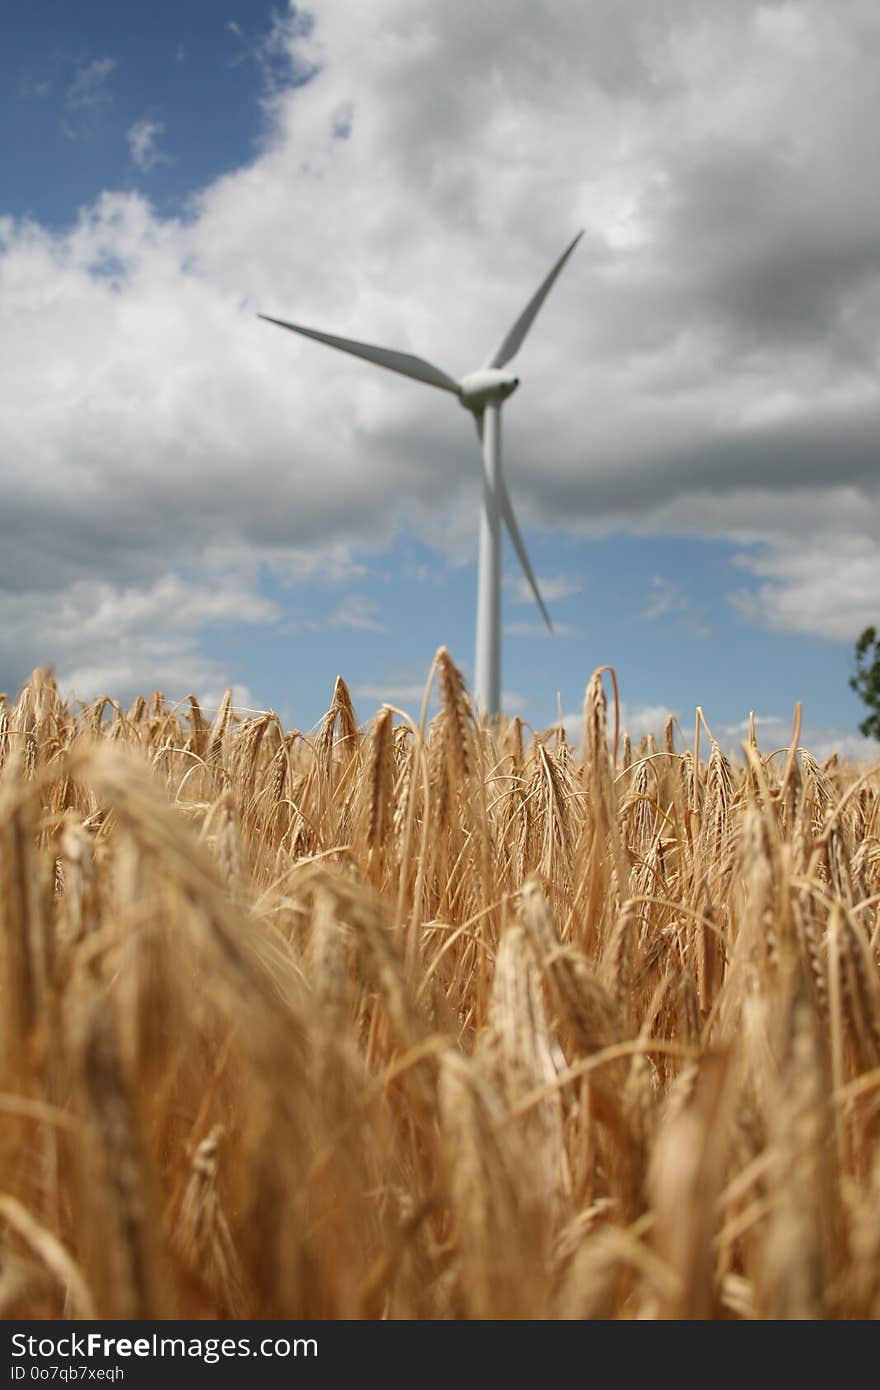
(432, 1020)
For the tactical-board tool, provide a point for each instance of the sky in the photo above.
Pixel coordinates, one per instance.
(191, 499)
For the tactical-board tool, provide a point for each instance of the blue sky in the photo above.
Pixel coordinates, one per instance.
(77, 79)
(195, 499)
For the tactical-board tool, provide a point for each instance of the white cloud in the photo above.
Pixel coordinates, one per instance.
(242, 700)
(89, 86)
(775, 732)
(708, 363)
(639, 720)
(667, 600)
(827, 587)
(105, 639)
(541, 630)
(402, 694)
(636, 720)
(331, 564)
(666, 597)
(409, 694)
(142, 137)
(359, 612)
(553, 588)
(772, 732)
(274, 53)
(514, 702)
(849, 747)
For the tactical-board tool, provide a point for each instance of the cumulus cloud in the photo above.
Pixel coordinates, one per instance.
(541, 630)
(771, 731)
(666, 597)
(142, 137)
(707, 365)
(639, 720)
(774, 732)
(406, 694)
(358, 612)
(668, 601)
(89, 86)
(830, 591)
(553, 588)
(391, 692)
(636, 720)
(280, 60)
(102, 639)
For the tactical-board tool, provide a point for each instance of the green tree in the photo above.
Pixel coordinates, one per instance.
(866, 681)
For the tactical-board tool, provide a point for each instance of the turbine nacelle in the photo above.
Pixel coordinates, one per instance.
(488, 386)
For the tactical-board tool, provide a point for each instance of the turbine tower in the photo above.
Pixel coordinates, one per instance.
(482, 393)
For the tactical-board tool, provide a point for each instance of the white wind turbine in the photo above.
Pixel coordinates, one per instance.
(482, 393)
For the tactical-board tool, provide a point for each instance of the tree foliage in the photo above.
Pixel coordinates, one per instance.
(866, 681)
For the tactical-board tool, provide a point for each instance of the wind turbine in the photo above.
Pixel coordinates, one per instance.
(482, 393)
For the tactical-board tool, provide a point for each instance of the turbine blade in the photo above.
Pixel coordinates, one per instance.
(514, 340)
(506, 508)
(403, 362)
